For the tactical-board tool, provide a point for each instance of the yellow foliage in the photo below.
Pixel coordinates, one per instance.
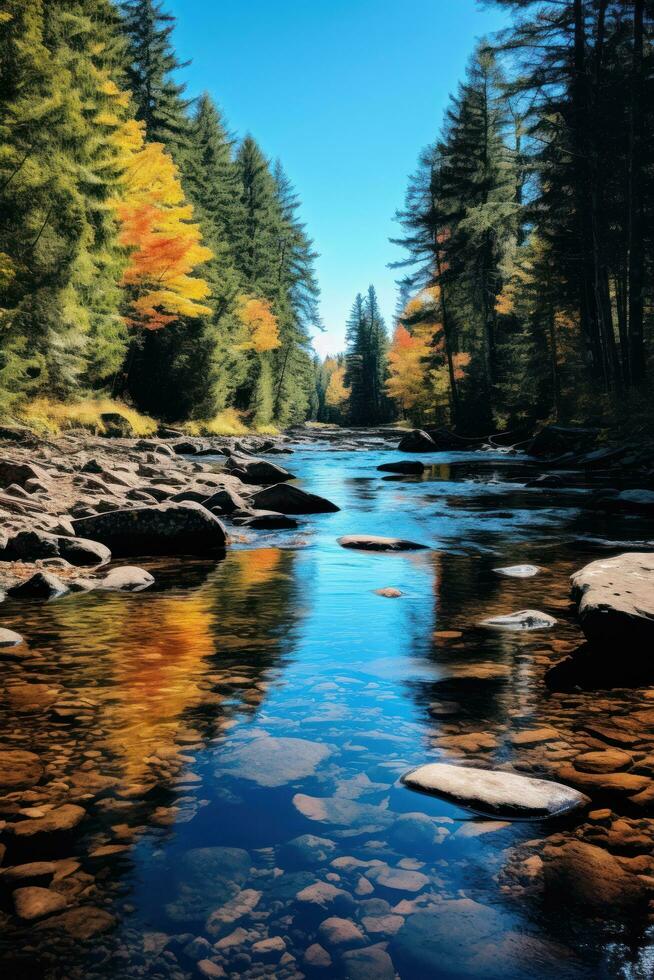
(260, 323)
(156, 226)
(52, 417)
(337, 393)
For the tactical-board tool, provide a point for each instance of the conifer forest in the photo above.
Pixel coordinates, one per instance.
(150, 255)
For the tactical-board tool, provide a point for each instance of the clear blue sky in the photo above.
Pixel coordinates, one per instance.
(346, 93)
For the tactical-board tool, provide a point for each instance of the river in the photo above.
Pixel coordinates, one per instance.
(236, 735)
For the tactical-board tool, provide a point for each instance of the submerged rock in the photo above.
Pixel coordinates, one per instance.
(33, 902)
(306, 851)
(274, 761)
(408, 466)
(525, 619)
(518, 571)
(61, 819)
(445, 940)
(389, 593)
(584, 876)
(615, 599)
(164, 529)
(19, 769)
(288, 499)
(498, 794)
(372, 542)
(207, 877)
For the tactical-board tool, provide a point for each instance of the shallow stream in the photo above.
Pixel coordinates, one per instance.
(208, 723)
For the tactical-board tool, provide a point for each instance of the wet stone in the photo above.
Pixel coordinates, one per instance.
(33, 902)
(8, 638)
(500, 794)
(518, 571)
(340, 933)
(524, 620)
(19, 769)
(306, 851)
(272, 762)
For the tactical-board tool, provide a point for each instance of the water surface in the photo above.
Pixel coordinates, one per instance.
(240, 705)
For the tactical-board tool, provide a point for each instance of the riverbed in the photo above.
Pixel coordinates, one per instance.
(236, 735)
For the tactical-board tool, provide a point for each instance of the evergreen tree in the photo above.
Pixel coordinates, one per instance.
(365, 376)
(58, 171)
(297, 303)
(150, 66)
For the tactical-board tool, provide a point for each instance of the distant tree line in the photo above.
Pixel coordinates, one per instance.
(144, 252)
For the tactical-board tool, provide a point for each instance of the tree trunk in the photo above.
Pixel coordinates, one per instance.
(636, 261)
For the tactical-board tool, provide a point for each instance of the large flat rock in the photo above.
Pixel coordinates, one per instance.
(615, 598)
(493, 793)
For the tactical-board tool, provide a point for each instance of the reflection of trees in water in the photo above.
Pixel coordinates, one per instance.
(490, 677)
(150, 660)
(146, 679)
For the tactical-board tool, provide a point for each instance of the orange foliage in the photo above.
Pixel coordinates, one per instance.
(165, 244)
(260, 322)
(407, 364)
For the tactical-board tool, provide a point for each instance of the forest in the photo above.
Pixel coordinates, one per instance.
(526, 237)
(149, 256)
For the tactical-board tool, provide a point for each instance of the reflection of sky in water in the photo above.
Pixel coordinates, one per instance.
(291, 641)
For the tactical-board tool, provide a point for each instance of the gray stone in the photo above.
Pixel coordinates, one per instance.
(615, 598)
(128, 578)
(226, 501)
(518, 571)
(41, 585)
(257, 471)
(498, 794)
(525, 619)
(288, 499)
(16, 471)
(168, 529)
(267, 521)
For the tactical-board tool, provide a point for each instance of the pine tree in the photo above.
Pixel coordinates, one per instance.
(365, 374)
(297, 302)
(211, 183)
(57, 173)
(150, 65)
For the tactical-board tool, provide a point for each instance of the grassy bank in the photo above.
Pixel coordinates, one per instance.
(47, 417)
